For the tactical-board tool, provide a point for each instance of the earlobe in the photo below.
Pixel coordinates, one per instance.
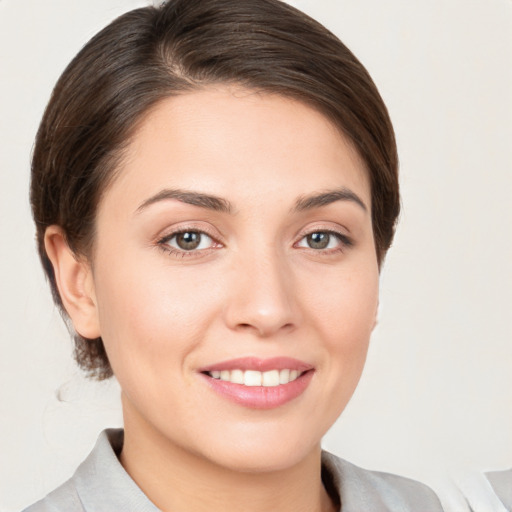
(376, 318)
(75, 283)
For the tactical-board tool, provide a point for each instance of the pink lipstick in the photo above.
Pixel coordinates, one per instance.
(259, 383)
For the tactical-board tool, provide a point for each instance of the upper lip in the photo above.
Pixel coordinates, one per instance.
(257, 364)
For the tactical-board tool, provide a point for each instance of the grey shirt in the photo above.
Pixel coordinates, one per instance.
(100, 484)
(501, 482)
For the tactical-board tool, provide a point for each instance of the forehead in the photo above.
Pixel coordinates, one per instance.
(215, 137)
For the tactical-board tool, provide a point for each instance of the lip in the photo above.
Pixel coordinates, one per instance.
(259, 397)
(261, 365)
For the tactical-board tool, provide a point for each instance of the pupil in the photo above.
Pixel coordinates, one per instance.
(318, 240)
(188, 240)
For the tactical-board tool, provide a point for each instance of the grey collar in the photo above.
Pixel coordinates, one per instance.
(101, 484)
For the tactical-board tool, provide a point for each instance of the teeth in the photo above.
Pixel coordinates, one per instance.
(271, 378)
(252, 378)
(237, 377)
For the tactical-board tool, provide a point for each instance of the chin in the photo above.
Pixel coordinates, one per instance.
(263, 452)
(250, 462)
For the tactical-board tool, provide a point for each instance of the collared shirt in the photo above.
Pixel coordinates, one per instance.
(501, 482)
(100, 484)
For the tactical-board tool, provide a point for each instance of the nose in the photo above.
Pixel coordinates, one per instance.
(262, 299)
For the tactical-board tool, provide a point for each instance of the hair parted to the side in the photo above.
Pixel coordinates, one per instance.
(152, 53)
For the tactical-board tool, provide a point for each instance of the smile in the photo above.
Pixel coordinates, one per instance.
(269, 378)
(259, 383)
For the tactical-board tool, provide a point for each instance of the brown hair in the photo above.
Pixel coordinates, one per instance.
(152, 53)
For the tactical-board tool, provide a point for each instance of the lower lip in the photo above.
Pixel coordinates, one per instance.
(260, 397)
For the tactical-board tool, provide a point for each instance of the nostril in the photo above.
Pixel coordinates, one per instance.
(264, 330)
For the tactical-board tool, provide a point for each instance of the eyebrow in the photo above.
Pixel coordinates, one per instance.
(207, 201)
(220, 204)
(328, 197)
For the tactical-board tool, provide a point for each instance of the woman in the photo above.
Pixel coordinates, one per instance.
(214, 185)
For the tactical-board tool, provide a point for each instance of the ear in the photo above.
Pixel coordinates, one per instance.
(75, 283)
(376, 319)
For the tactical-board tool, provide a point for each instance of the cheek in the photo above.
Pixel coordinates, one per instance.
(340, 311)
(151, 313)
(346, 304)
(343, 312)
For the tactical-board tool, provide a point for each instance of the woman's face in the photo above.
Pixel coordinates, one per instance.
(234, 252)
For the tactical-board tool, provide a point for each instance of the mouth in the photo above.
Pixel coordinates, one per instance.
(259, 383)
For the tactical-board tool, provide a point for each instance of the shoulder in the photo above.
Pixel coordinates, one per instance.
(361, 489)
(501, 482)
(70, 496)
(64, 498)
(99, 483)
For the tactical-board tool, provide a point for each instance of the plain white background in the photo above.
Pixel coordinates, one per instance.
(436, 394)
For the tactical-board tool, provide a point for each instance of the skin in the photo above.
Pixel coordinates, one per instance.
(254, 287)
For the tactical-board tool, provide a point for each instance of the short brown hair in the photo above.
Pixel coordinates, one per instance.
(152, 53)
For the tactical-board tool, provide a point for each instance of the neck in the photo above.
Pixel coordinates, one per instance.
(176, 479)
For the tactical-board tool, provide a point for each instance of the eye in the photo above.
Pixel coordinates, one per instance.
(324, 240)
(188, 241)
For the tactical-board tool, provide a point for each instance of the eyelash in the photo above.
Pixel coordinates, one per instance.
(163, 243)
(345, 242)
